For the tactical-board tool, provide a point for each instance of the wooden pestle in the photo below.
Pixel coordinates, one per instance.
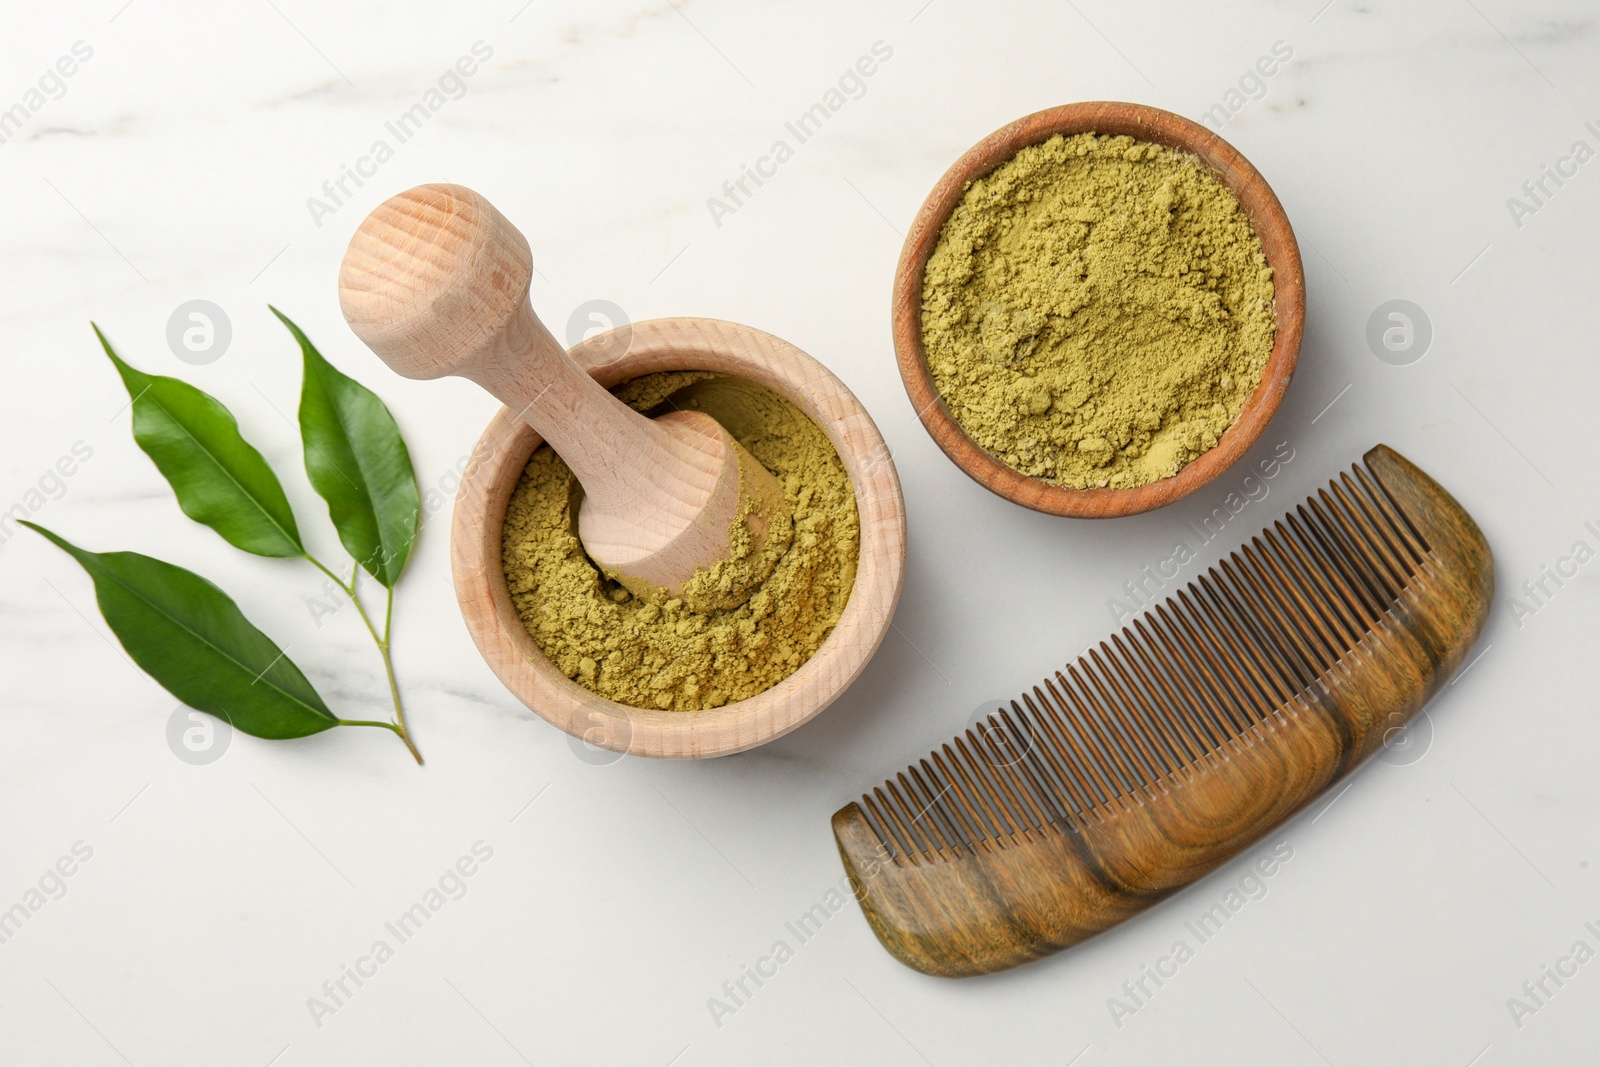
(435, 281)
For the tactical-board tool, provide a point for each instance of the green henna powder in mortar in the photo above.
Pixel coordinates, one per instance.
(661, 654)
(1097, 311)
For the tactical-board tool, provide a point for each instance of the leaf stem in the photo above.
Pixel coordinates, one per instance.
(348, 587)
(370, 722)
(399, 725)
(394, 687)
(383, 645)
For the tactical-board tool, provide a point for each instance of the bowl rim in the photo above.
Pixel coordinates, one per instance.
(501, 454)
(1267, 218)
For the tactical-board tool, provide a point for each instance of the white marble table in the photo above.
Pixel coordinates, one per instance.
(177, 162)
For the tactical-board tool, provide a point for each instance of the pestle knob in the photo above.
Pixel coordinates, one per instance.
(435, 281)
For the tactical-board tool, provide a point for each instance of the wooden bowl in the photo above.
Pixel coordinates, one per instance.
(1147, 124)
(645, 348)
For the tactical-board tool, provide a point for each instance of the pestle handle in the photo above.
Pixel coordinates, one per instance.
(435, 281)
(641, 477)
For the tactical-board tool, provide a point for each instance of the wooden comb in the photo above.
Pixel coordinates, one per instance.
(1159, 756)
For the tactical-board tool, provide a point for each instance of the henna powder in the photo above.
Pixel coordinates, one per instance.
(660, 653)
(1097, 310)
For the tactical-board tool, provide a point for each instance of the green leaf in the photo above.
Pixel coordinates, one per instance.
(191, 637)
(357, 461)
(219, 479)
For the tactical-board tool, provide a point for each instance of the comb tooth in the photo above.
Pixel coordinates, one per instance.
(972, 799)
(1410, 537)
(1295, 618)
(875, 820)
(1379, 596)
(1276, 680)
(1095, 776)
(1133, 718)
(1270, 560)
(960, 802)
(969, 789)
(1098, 733)
(987, 778)
(1154, 677)
(1001, 745)
(1362, 597)
(1240, 631)
(1394, 575)
(1013, 763)
(1185, 748)
(1068, 782)
(1073, 780)
(1034, 817)
(1111, 738)
(1308, 578)
(1199, 660)
(1084, 756)
(1034, 773)
(1236, 664)
(1386, 519)
(972, 802)
(1268, 611)
(918, 806)
(1037, 773)
(1176, 686)
(1383, 531)
(1171, 752)
(889, 818)
(1329, 582)
(908, 819)
(1009, 793)
(935, 811)
(1206, 655)
(988, 784)
(1117, 736)
(1351, 533)
(1281, 659)
(950, 805)
(1296, 613)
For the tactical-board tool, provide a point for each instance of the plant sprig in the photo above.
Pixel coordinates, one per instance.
(189, 635)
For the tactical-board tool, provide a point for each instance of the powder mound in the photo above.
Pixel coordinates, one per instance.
(1097, 311)
(662, 654)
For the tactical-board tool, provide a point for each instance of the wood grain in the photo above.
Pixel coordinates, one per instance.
(1162, 754)
(645, 348)
(1278, 243)
(435, 281)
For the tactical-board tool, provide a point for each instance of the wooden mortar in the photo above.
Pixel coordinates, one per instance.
(670, 345)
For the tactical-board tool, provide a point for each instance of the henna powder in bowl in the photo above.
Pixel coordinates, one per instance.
(660, 653)
(1097, 311)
